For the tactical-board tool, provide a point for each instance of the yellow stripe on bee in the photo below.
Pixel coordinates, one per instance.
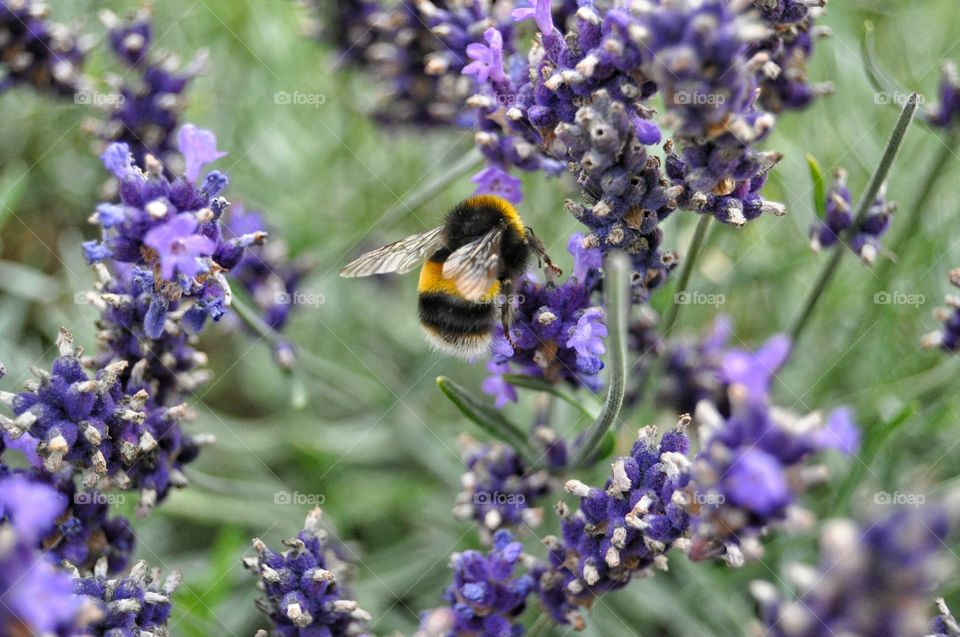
(432, 282)
(503, 207)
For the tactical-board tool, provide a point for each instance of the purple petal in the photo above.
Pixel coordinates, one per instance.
(198, 147)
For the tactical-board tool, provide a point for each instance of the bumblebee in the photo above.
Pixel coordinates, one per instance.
(471, 264)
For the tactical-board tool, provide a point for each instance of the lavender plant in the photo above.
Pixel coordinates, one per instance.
(657, 109)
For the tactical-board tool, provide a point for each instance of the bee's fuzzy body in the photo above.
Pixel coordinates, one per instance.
(451, 322)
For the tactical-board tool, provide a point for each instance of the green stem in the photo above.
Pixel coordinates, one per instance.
(912, 223)
(673, 310)
(863, 206)
(696, 245)
(617, 273)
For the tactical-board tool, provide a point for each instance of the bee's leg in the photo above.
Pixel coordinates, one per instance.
(505, 306)
(552, 271)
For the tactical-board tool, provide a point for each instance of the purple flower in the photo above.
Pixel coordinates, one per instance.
(755, 481)
(497, 387)
(620, 531)
(752, 372)
(541, 12)
(151, 97)
(303, 588)
(752, 466)
(499, 489)
(487, 59)
(555, 334)
(37, 52)
(136, 604)
(36, 597)
(108, 429)
(873, 577)
(178, 247)
(587, 257)
(118, 160)
(693, 370)
(586, 337)
(31, 506)
(947, 337)
(485, 596)
(838, 217)
(198, 147)
(493, 180)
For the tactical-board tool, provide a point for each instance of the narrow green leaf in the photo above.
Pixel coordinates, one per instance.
(587, 406)
(819, 186)
(487, 418)
(871, 446)
(617, 271)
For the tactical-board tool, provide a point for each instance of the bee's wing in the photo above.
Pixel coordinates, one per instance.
(399, 256)
(474, 266)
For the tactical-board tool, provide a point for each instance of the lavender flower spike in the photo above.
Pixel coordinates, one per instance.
(304, 587)
(485, 596)
(873, 579)
(137, 604)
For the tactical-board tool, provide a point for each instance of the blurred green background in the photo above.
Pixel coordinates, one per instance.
(376, 441)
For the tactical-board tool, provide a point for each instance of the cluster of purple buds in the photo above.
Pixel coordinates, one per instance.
(38, 52)
(86, 535)
(557, 334)
(103, 435)
(149, 97)
(783, 73)
(947, 112)
(485, 597)
(620, 531)
(737, 201)
(752, 464)
(499, 489)
(397, 45)
(838, 217)
(135, 604)
(304, 587)
(948, 337)
(37, 597)
(874, 577)
(626, 193)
